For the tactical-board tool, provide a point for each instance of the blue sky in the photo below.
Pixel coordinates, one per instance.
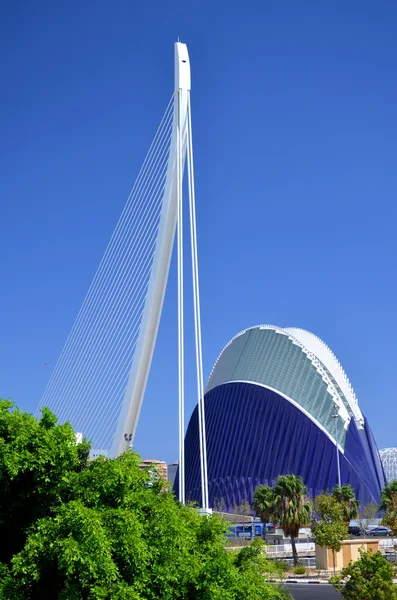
(295, 133)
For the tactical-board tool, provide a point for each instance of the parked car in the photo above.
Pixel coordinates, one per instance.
(354, 530)
(378, 531)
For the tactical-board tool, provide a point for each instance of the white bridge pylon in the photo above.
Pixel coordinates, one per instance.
(99, 380)
(171, 216)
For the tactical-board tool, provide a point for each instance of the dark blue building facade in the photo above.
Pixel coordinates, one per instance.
(255, 434)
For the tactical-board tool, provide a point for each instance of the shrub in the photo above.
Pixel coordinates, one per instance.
(282, 566)
(370, 578)
(300, 571)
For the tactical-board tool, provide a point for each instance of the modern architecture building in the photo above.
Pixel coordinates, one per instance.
(172, 471)
(160, 467)
(278, 401)
(388, 457)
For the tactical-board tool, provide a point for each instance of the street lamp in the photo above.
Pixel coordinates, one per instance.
(336, 417)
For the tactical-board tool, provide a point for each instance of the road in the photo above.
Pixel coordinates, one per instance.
(313, 591)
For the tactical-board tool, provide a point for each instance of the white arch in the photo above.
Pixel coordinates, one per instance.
(329, 360)
(326, 364)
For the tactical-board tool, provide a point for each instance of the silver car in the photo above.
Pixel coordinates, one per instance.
(378, 531)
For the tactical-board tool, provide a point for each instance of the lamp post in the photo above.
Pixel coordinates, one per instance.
(336, 417)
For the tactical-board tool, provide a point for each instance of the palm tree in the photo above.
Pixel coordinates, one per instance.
(264, 503)
(292, 507)
(285, 504)
(389, 496)
(389, 505)
(345, 495)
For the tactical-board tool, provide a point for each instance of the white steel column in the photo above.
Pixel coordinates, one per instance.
(141, 362)
(197, 317)
(171, 215)
(336, 417)
(181, 349)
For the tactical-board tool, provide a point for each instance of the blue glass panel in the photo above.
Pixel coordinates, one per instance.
(254, 435)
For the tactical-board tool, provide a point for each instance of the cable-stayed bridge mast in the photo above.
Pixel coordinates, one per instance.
(99, 381)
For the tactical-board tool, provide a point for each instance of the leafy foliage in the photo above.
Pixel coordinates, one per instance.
(292, 508)
(240, 514)
(282, 566)
(370, 578)
(330, 528)
(219, 505)
(344, 494)
(285, 504)
(389, 504)
(107, 530)
(244, 509)
(255, 557)
(255, 563)
(264, 504)
(36, 459)
(368, 513)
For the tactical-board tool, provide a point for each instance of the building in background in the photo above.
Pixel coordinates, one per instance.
(388, 457)
(160, 467)
(278, 401)
(172, 471)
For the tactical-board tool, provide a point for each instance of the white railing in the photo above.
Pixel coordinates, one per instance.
(283, 549)
(387, 544)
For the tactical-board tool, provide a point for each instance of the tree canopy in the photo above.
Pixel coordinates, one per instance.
(368, 514)
(370, 578)
(106, 530)
(37, 457)
(344, 494)
(264, 504)
(330, 526)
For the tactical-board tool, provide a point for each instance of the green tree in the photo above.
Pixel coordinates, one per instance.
(389, 505)
(234, 518)
(253, 559)
(368, 513)
(219, 505)
(330, 527)
(285, 504)
(238, 514)
(111, 531)
(344, 494)
(244, 510)
(264, 503)
(292, 507)
(36, 458)
(370, 578)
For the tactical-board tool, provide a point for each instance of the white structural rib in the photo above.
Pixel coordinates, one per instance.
(324, 354)
(181, 337)
(132, 403)
(326, 364)
(197, 317)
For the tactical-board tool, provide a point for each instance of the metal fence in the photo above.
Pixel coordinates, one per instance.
(281, 550)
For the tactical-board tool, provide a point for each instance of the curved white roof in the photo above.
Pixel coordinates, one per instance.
(331, 363)
(239, 360)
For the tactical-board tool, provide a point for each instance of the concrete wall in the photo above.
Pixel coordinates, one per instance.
(349, 552)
